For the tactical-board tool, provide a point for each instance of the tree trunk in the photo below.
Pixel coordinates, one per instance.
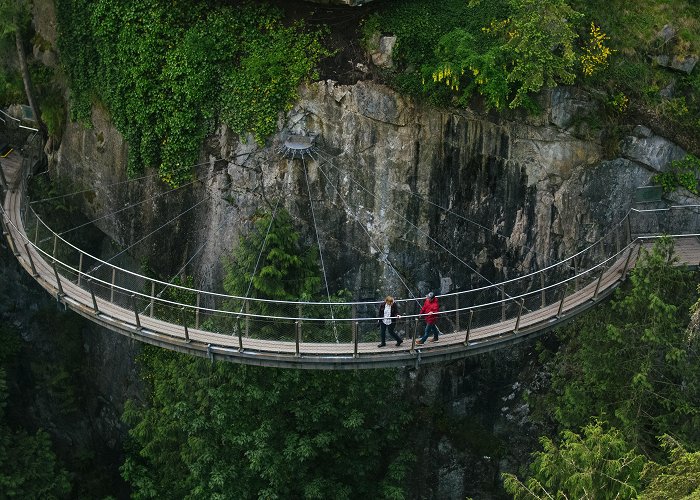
(26, 78)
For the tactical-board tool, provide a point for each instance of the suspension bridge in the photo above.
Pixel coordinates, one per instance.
(325, 334)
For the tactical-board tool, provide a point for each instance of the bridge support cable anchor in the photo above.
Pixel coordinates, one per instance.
(136, 311)
(520, 312)
(469, 327)
(31, 261)
(184, 323)
(92, 294)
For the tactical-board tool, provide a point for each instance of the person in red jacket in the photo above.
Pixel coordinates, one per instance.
(429, 311)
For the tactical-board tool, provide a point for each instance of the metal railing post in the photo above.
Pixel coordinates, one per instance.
(355, 325)
(136, 311)
(55, 246)
(58, 281)
(503, 304)
(520, 312)
(196, 313)
(111, 290)
(92, 294)
(576, 274)
(80, 268)
(561, 303)
(184, 323)
(544, 294)
(457, 312)
(31, 260)
(11, 241)
(628, 229)
(469, 326)
(247, 318)
(36, 229)
(153, 298)
(627, 263)
(3, 180)
(298, 336)
(240, 333)
(597, 285)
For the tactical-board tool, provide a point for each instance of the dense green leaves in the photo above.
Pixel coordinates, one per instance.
(228, 431)
(165, 69)
(28, 465)
(599, 464)
(634, 364)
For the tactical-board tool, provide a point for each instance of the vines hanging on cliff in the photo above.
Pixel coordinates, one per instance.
(167, 70)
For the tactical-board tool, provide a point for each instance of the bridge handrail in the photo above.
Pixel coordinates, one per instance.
(160, 300)
(496, 286)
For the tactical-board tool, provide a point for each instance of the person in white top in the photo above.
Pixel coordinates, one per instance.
(389, 312)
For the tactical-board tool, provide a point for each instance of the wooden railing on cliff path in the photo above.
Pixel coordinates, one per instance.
(322, 335)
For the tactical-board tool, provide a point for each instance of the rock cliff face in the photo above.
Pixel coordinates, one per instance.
(402, 193)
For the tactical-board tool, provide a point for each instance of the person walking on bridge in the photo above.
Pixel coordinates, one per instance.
(389, 314)
(429, 312)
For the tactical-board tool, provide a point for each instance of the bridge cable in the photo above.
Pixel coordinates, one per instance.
(150, 198)
(320, 251)
(156, 230)
(434, 240)
(384, 258)
(127, 181)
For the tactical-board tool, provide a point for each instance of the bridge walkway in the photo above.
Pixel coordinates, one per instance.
(72, 287)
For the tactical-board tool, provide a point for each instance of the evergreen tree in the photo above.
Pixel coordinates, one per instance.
(632, 362)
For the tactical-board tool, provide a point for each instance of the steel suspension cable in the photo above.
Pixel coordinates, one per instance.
(318, 241)
(428, 236)
(262, 249)
(150, 198)
(157, 229)
(369, 237)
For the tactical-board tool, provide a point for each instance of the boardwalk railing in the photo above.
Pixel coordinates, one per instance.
(340, 333)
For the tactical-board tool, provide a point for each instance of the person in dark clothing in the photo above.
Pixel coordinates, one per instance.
(389, 314)
(429, 312)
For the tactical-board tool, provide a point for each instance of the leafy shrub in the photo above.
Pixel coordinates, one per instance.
(681, 174)
(165, 68)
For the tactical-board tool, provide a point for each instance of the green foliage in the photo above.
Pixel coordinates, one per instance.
(286, 269)
(539, 40)
(599, 464)
(275, 61)
(680, 478)
(420, 26)
(28, 465)
(229, 431)
(630, 363)
(683, 173)
(164, 69)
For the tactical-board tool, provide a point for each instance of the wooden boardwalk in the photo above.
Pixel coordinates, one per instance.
(349, 355)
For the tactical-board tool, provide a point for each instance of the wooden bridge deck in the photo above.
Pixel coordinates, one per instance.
(310, 355)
